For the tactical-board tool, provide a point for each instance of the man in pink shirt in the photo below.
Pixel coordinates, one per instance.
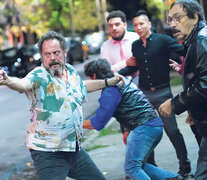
(117, 50)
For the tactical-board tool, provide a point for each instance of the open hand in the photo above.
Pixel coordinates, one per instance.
(174, 65)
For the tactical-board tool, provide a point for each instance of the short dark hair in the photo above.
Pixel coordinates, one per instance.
(100, 67)
(141, 12)
(52, 35)
(191, 7)
(115, 14)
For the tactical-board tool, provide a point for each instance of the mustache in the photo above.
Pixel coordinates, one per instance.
(54, 62)
(115, 31)
(175, 30)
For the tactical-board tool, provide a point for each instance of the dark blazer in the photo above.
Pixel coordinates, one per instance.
(194, 97)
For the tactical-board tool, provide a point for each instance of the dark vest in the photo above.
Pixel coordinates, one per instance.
(134, 109)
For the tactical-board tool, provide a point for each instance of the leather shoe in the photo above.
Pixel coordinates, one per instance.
(184, 172)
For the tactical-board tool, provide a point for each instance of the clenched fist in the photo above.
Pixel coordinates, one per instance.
(3, 77)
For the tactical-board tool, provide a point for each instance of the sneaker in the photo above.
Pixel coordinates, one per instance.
(184, 172)
(175, 178)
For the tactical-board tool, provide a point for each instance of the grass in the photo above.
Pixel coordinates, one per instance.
(95, 147)
(176, 81)
(107, 131)
(103, 132)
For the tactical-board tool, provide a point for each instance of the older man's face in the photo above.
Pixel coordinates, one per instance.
(53, 57)
(180, 23)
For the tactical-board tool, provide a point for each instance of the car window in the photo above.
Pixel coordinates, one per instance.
(10, 53)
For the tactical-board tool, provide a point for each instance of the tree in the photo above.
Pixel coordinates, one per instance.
(44, 15)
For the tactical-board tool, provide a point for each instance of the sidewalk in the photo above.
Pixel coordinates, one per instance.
(110, 157)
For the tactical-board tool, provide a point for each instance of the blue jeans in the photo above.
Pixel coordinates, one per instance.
(201, 171)
(59, 165)
(140, 143)
(170, 125)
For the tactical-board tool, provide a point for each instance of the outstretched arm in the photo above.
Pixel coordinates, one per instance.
(94, 85)
(17, 84)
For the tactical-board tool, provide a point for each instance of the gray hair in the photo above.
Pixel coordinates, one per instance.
(191, 7)
(49, 36)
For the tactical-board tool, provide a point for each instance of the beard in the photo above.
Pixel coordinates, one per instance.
(56, 72)
(119, 38)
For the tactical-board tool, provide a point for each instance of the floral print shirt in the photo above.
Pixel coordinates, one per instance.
(56, 111)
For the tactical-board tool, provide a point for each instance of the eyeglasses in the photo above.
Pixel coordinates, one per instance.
(176, 19)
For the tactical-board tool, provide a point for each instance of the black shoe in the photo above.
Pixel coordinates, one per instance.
(184, 172)
(175, 178)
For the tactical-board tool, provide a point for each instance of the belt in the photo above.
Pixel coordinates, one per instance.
(154, 88)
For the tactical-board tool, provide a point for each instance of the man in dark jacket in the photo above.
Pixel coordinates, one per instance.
(187, 22)
(132, 109)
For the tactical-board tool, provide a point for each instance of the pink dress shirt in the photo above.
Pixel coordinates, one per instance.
(110, 50)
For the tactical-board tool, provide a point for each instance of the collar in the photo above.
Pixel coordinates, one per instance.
(197, 27)
(149, 38)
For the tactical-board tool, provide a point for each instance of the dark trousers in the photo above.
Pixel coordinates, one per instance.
(201, 170)
(156, 98)
(196, 133)
(59, 165)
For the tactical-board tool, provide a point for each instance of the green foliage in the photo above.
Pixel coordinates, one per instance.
(34, 15)
(107, 131)
(44, 15)
(85, 16)
(155, 6)
(95, 147)
(59, 18)
(176, 81)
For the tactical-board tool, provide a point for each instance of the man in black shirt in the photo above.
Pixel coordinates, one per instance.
(152, 52)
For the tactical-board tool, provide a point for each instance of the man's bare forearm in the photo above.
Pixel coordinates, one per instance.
(94, 85)
(17, 84)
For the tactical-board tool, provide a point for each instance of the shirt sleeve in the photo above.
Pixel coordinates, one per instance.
(108, 101)
(119, 65)
(174, 46)
(128, 70)
(35, 77)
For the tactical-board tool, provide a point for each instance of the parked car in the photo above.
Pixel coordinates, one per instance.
(19, 61)
(8, 57)
(94, 41)
(74, 50)
(30, 58)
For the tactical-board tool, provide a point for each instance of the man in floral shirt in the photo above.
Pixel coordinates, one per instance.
(56, 93)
